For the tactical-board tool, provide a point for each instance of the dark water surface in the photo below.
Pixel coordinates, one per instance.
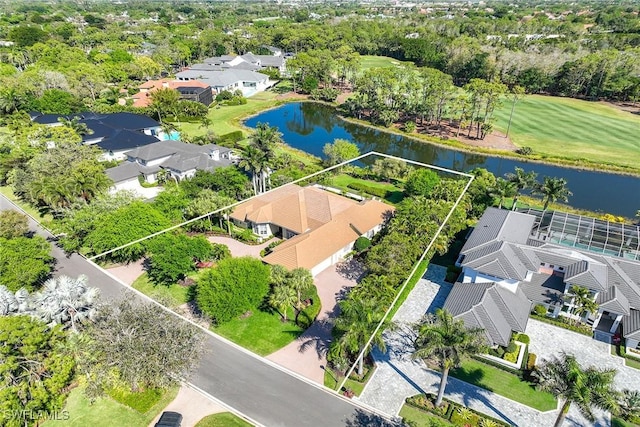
(308, 126)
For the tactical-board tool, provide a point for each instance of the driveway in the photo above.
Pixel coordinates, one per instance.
(548, 341)
(398, 377)
(307, 355)
(238, 248)
(192, 405)
(128, 273)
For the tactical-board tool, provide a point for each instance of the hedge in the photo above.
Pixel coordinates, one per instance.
(234, 136)
(560, 322)
(374, 191)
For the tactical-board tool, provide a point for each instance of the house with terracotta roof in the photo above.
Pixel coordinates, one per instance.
(319, 227)
(193, 90)
(541, 255)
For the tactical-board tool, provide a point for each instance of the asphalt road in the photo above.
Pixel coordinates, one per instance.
(246, 383)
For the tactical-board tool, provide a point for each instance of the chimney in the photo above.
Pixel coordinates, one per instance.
(215, 154)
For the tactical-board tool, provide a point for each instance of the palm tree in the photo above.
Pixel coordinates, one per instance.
(75, 125)
(521, 180)
(502, 189)
(265, 140)
(588, 388)
(447, 341)
(300, 279)
(282, 297)
(359, 318)
(553, 189)
(583, 301)
(66, 301)
(254, 161)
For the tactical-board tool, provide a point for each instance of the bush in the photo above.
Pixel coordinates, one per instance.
(531, 361)
(236, 100)
(308, 315)
(499, 351)
(361, 244)
(523, 338)
(374, 191)
(409, 127)
(512, 347)
(235, 286)
(421, 181)
(525, 151)
(327, 94)
(269, 248)
(225, 95)
(512, 356)
(540, 310)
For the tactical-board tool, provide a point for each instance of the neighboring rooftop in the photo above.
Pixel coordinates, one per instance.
(491, 307)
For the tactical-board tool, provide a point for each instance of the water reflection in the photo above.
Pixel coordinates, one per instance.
(308, 126)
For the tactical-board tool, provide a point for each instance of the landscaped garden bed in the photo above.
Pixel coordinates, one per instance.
(355, 384)
(565, 323)
(451, 411)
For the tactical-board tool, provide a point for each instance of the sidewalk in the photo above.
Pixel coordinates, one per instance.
(398, 377)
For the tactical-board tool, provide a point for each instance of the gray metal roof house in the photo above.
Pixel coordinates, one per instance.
(527, 251)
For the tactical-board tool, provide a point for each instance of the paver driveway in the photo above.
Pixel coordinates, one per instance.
(398, 377)
(307, 355)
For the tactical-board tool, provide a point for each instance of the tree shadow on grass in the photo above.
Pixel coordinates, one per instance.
(471, 376)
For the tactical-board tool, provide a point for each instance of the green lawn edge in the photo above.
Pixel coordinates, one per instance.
(505, 384)
(222, 419)
(106, 412)
(421, 418)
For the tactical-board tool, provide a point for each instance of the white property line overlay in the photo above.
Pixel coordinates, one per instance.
(362, 156)
(406, 282)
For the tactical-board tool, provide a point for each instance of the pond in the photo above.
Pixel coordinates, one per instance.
(308, 126)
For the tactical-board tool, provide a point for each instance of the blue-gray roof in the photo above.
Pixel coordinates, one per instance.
(497, 310)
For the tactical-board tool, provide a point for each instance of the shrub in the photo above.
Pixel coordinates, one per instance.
(540, 310)
(235, 286)
(236, 100)
(361, 243)
(531, 361)
(511, 356)
(421, 181)
(374, 191)
(512, 347)
(500, 351)
(525, 151)
(523, 338)
(225, 95)
(308, 315)
(409, 127)
(269, 248)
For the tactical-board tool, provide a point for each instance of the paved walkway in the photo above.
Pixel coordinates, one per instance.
(239, 248)
(398, 377)
(192, 405)
(307, 355)
(548, 340)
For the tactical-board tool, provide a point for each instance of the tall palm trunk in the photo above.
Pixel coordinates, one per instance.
(563, 413)
(515, 202)
(443, 385)
(361, 365)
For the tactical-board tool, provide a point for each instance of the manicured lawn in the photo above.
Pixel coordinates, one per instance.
(175, 294)
(8, 193)
(330, 382)
(262, 332)
(619, 422)
(372, 61)
(574, 129)
(227, 118)
(223, 419)
(106, 412)
(632, 363)
(421, 418)
(342, 182)
(504, 384)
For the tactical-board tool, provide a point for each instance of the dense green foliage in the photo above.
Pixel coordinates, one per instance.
(12, 224)
(24, 262)
(420, 182)
(129, 223)
(235, 286)
(34, 368)
(173, 256)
